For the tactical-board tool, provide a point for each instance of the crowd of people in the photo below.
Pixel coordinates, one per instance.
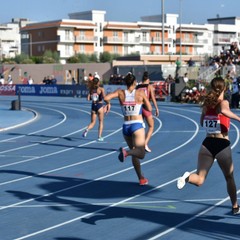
(193, 95)
(116, 79)
(49, 80)
(226, 57)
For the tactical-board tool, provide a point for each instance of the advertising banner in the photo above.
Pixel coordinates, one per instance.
(52, 90)
(8, 89)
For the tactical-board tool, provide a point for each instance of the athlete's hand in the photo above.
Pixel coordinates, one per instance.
(107, 108)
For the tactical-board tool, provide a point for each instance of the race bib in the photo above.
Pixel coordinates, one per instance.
(95, 97)
(130, 109)
(212, 124)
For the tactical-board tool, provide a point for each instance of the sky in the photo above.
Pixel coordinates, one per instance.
(192, 11)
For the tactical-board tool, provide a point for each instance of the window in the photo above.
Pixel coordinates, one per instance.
(125, 50)
(125, 34)
(82, 48)
(144, 34)
(67, 34)
(67, 50)
(115, 49)
(82, 34)
(115, 35)
(157, 50)
(157, 36)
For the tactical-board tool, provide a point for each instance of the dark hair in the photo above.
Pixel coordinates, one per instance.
(129, 79)
(145, 76)
(95, 80)
(93, 84)
(217, 86)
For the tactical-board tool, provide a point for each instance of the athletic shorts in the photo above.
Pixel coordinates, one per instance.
(129, 127)
(96, 107)
(215, 145)
(146, 113)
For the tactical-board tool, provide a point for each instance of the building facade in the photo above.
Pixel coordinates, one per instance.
(89, 33)
(10, 38)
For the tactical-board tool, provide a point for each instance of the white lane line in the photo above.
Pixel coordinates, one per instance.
(60, 151)
(207, 200)
(41, 130)
(100, 178)
(22, 124)
(89, 214)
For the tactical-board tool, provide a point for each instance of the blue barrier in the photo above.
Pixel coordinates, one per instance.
(52, 90)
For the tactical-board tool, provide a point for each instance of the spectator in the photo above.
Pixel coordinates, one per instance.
(235, 94)
(90, 77)
(2, 80)
(53, 80)
(178, 67)
(30, 80)
(46, 80)
(190, 63)
(10, 80)
(185, 78)
(169, 79)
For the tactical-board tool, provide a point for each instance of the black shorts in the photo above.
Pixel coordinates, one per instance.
(215, 145)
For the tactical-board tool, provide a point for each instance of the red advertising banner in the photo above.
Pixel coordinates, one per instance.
(8, 89)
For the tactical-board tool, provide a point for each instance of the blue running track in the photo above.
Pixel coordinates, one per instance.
(56, 185)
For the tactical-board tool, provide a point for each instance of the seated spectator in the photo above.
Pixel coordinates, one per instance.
(169, 79)
(195, 95)
(202, 93)
(2, 80)
(30, 80)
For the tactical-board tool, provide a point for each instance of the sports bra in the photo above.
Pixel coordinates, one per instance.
(129, 106)
(215, 123)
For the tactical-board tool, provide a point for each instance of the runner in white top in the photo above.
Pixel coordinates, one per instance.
(131, 101)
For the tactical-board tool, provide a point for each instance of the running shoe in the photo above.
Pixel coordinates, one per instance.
(85, 133)
(143, 181)
(236, 211)
(182, 180)
(100, 139)
(122, 155)
(147, 149)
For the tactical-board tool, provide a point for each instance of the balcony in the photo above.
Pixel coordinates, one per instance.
(86, 39)
(65, 39)
(158, 40)
(188, 41)
(121, 40)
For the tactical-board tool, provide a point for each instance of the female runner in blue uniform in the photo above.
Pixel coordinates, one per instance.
(96, 94)
(215, 119)
(131, 101)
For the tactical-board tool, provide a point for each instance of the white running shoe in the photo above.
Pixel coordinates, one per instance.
(85, 133)
(182, 180)
(100, 139)
(236, 211)
(147, 149)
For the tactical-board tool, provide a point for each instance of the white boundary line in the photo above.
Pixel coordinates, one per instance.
(126, 200)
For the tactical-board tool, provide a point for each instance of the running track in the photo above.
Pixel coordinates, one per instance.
(55, 185)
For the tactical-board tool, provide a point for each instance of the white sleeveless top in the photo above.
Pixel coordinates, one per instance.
(129, 106)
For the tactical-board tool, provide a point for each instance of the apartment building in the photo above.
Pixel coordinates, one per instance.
(89, 33)
(10, 38)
